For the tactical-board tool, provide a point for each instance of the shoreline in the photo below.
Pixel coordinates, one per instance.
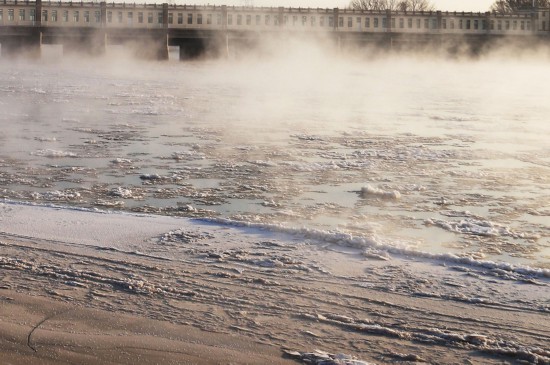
(517, 271)
(262, 292)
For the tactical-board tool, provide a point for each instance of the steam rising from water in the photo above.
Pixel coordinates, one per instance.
(295, 133)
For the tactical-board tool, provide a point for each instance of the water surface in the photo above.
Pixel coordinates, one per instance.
(435, 155)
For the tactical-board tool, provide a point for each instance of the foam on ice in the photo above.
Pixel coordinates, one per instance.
(373, 246)
(369, 243)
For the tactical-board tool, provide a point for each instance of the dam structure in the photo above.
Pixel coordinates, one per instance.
(149, 29)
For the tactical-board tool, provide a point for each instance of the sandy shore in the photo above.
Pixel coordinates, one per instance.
(91, 288)
(38, 330)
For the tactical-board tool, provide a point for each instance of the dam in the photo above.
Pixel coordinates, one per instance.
(149, 29)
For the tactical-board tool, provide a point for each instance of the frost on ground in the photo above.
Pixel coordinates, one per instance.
(319, 302)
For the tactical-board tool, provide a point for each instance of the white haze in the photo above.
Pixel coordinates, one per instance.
(265, 107)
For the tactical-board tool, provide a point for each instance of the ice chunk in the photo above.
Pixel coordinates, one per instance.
(371, 191)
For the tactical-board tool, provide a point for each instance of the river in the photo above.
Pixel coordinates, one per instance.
(427, 155)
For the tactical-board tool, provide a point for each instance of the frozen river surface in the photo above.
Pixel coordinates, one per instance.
(398, 154)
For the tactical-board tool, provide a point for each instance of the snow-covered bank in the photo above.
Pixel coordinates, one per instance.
(299, 290)
(82, 226)
(128, 230)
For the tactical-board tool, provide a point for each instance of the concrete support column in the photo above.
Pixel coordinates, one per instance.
(165, 16)
(34, 47)
(92, 42)
(488, 21)
(336, 17)
(103, 10)
(26, 46)
(98, 42)
(161, 46)
(156, 48)
(281, 11)
(388, 21)
(224, 17)
(163, 38)
(31, 45)
(151, 46)
(439, 20)
(38, 13)
(224, 28)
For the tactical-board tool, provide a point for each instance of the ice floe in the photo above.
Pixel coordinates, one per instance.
(121, 192)
(319, 357)
(473, 226)
(57, 195)
(54, 153)
(366, 242)
(371, 191)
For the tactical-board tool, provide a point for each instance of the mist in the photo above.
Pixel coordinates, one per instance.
(292, 130)
(311, 83)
